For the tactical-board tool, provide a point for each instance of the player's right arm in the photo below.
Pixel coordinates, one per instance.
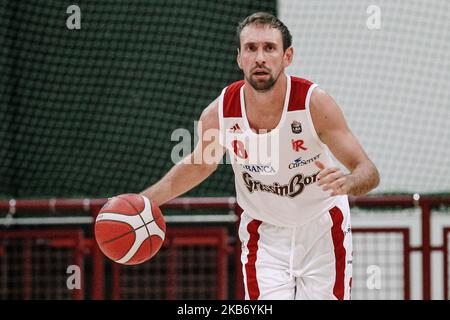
(197, 166)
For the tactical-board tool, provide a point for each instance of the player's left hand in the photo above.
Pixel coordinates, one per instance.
(332, 179)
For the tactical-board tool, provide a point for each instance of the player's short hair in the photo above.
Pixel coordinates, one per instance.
(265, 18)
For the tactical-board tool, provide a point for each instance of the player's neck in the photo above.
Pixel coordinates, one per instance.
(267, 103)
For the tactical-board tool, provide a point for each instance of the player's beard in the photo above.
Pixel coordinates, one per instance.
(262, 85)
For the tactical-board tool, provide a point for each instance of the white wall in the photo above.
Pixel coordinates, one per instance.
(392, 83)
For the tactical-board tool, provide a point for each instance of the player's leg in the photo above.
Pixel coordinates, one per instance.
(265, 261)
(326, 270)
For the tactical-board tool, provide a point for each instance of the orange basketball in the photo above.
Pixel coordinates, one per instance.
(130, 229)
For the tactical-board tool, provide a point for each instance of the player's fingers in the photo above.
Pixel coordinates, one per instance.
(325, 172)
(319, 164)
(328, 175)
(335, 185)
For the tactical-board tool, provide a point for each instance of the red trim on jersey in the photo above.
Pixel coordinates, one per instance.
(250, 268)
(232, 100)
(339, 252)
(299, 91)
(350, 287)
(239, 290)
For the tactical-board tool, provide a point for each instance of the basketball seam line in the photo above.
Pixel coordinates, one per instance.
(126, 233)
(143, 221)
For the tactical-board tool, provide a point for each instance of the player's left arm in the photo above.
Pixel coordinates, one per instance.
(333, 131)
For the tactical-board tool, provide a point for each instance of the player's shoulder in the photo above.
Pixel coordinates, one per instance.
(229, 97)
(318, 95)
(231, 100)
(300, 90)
(234, 86)
(300, 87)
(320, 98)
(301, 81)
(325, 112)
(230, 92)
(210, 115)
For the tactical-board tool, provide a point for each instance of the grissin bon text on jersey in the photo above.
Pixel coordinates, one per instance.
(295, 186)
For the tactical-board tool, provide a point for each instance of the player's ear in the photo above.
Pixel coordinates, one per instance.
(238, 58)
(288, 56)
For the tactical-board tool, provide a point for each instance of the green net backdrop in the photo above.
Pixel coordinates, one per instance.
(90, 112)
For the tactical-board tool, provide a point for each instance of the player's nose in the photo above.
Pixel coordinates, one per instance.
(260, 57)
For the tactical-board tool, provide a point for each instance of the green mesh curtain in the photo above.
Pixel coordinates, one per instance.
(90, 112)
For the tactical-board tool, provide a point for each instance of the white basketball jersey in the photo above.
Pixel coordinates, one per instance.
(275, 174)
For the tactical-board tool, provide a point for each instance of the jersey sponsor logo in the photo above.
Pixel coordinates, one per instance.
(301, 162)
(296, 127)
(293, 188)
(262, 169)
(297, 145)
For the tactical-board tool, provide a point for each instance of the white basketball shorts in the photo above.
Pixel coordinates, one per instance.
(312, 261)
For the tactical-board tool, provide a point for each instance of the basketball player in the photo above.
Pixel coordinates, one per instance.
(295, 226)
